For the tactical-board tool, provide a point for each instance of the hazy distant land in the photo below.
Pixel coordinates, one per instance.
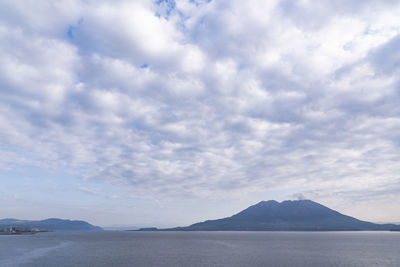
(15, 226)
(299, 215)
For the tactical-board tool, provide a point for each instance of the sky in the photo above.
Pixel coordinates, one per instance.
(169, 112)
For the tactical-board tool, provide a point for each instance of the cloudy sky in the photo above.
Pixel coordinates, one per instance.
(170, 112)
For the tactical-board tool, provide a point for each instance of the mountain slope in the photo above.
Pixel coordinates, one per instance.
(300, 215)
(51, 224)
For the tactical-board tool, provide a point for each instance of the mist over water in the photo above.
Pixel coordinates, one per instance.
(111, 248)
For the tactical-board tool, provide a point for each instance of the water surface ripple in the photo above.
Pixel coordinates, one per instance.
(112, 248)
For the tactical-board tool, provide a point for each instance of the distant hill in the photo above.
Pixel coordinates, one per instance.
(299, 215)
(52, 224)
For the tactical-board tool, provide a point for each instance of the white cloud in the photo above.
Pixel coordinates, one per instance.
(209, 99)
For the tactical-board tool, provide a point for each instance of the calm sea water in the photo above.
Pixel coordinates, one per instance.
(202, 249)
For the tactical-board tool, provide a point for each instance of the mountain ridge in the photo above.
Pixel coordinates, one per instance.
(288, 215)
(50, 224)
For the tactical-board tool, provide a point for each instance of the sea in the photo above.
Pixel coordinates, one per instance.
(122, 248)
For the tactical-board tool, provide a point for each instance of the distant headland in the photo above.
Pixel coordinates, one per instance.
(15, 226)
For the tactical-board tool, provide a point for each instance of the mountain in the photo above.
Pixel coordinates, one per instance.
(298, 215)
(51, 224)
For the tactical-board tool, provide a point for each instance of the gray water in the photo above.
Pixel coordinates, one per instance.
(202, 249)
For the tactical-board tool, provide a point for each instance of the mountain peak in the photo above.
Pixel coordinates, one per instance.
(263, 202)
(286, 203)
(267, 202)
(295, 215)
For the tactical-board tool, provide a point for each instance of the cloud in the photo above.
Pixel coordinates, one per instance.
(97, 192)
(207, 99)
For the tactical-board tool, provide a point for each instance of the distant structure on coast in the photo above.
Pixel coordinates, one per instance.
(15, 226)
(19, 230)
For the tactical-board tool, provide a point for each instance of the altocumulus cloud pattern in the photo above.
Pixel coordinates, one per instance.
(205, 99)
